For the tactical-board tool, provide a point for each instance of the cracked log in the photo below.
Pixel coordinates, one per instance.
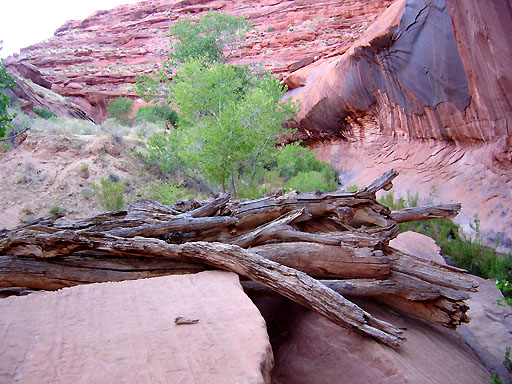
(288, 237)
(289, 282)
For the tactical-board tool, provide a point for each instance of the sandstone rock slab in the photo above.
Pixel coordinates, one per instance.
(309, 349)
(419, 245)
(126, 333)
(489, 332)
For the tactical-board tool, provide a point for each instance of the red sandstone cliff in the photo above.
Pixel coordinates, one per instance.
(425, 90)
(96, 59)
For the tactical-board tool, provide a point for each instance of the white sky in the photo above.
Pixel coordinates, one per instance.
(26, 22)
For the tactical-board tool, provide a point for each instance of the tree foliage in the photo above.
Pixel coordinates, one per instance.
(229, 119)
(156, 113)
(121, 109)
(207, 38)
(6, 82)
(204, 39)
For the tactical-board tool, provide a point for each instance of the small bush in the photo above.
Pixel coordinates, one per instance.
(6, 82)
(303, 171)
(166, 193)
(55, 208)
(121, 109)
(507, 362)
(464, 251)
(308, 182)
(157, 113)
(83, 170)
(44, 113)
(110, 194)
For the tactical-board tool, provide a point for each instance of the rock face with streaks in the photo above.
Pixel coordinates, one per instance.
(126, 332)
(416, 74)
(426, 90)
(96, 59)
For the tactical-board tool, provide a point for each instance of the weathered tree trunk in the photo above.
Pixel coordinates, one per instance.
(277, 241)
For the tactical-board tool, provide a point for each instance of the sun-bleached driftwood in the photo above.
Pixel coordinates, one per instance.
(426, 212)
(289, 282)
(278, 241)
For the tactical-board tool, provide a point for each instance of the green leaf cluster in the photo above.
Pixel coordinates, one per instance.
(207, 38)
(157, 113)
(300, 167)
(110, 194)
(6, 82)
(166, 193)
(44, 113)
(121, 109)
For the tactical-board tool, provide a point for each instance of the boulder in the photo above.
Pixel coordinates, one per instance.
(130, 332)
(309, 349)
(419, 245)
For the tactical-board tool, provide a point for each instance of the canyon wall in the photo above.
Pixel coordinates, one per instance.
(96, 59)
(425, 90)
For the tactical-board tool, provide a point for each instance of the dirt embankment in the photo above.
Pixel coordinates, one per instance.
(55, 172)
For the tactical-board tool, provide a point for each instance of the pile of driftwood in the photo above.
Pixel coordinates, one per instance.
(278, 242)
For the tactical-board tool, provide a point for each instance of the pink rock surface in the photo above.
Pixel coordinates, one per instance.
(489, 332)
(309, 349)
(418, 245)
(438, 113)
(125, 333)
(470, 175)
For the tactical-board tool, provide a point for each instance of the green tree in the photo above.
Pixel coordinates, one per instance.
(204, 39)
(6, 82)
(120, 109)
(230, 118)
(157, 113)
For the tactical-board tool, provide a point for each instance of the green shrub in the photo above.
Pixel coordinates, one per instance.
(54, 208)
(507, 362)
(6, 82)
(465, 251)
(166, 193)
(157, 113)
(308, 182)
(301, 169)
(44, 113)
(207, 37)
(120, 109)
(109, 194)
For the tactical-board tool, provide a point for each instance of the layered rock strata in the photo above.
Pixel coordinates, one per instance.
(93, 60)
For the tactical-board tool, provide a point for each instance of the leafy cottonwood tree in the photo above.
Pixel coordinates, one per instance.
(6, 82)
(205, 39)
(229, 118)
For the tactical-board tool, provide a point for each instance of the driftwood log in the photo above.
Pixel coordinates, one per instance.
(282, 243)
